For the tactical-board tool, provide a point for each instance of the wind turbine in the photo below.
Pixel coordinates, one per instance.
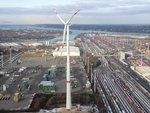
(68, 82)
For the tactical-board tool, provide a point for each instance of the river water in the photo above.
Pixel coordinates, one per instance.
(73, 33)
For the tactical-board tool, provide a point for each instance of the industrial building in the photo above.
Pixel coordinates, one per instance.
(125, 55)
(18, 44)
(122, 55)
(62, 51)
(144, 71)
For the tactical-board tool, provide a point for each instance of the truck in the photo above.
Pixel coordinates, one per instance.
(46, 87)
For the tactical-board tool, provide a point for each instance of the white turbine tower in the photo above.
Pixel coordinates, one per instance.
(68, 82)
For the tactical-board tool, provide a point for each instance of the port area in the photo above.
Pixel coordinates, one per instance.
(21, 81)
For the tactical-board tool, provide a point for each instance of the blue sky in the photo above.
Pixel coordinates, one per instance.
(92, 11)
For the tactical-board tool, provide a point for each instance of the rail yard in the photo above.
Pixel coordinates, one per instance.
(120, 89)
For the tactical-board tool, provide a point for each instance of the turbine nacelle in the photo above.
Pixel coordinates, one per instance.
(67, 23)
(69, 20)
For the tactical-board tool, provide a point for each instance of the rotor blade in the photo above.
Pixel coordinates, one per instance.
(72, 17)
(60, 17)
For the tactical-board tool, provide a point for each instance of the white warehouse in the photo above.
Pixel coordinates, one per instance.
(74, 51)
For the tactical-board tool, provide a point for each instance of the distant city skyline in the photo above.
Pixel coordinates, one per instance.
(92, 11)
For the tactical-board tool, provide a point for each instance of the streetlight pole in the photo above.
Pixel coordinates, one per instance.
(85, 59)
(148, 49)
(88, 65)
(91, 73)
(2, 60)
(141, 53)
(94, 77)
(10, 55)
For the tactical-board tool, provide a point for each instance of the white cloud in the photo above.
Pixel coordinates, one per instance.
(91, 11)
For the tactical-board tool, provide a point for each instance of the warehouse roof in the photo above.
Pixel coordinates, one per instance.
(144, 71)
(47, 83)
(62, 51)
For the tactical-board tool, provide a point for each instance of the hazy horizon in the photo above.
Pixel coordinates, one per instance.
(92, 11)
